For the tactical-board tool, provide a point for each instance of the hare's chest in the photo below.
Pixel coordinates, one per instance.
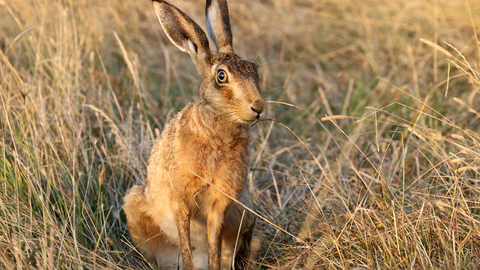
(216, 159)
(208, 155)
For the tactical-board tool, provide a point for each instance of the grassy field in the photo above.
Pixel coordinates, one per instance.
(389, 181)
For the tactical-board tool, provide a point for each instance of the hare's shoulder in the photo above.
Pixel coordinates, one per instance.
(166, 144)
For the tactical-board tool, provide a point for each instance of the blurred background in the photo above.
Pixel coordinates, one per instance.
(368, 157)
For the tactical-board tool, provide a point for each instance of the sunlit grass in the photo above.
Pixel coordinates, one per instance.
(368, 156)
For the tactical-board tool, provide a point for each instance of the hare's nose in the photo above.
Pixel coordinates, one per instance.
(257, 111)
(258, 107)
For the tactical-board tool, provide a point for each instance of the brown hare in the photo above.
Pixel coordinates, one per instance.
(201, 155)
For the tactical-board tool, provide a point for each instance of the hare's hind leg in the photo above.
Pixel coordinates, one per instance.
(146, 235)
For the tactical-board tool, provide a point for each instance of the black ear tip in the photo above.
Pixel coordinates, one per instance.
(159, 1)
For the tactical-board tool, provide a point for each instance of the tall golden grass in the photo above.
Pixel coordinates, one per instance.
(368, 159)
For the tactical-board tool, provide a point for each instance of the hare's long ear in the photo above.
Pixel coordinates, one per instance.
(184, 33)
(218, 25)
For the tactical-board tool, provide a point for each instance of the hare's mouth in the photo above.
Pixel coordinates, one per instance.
(252, 119)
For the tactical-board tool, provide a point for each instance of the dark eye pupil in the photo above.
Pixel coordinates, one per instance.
(222, 76)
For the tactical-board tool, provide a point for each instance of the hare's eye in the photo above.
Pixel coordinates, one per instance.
(222, 76)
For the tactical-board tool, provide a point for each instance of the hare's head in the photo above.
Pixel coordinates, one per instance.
(229, 84)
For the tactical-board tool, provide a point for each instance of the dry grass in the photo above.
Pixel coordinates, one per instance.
(391, 182)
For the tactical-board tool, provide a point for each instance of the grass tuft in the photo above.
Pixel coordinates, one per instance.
(368, 157)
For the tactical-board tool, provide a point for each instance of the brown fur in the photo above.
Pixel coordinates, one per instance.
(201, 154)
